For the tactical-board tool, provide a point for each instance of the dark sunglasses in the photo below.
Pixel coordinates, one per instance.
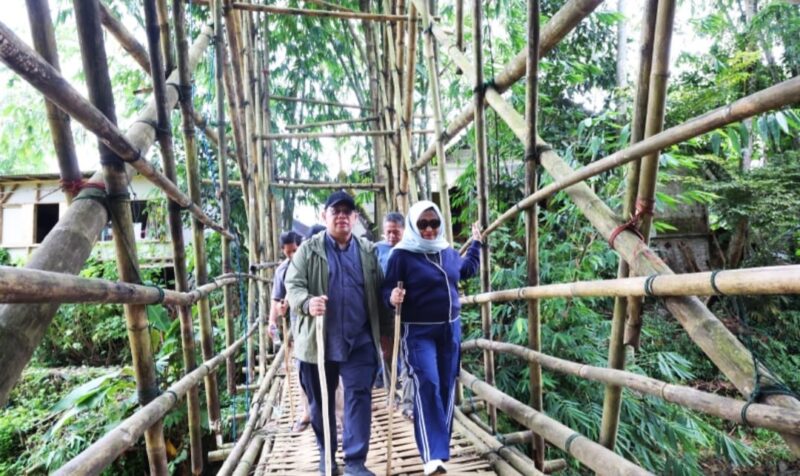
(423, 224)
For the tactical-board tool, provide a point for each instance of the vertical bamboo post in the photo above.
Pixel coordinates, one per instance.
(378, 149)
(198, 238)
(45, 43)
(408, 183)
(166, 40)
(482, 185)
(623, 306)
(224, 198)
(460, 25)
(433, 75)
(164, 136)
(254, 218)
(235, 87)
(98, 81)
(408, 94)
(532, 221)
(271, 168)
(656, 104)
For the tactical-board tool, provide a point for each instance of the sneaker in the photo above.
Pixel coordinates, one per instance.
(357, 469)
(434, 466)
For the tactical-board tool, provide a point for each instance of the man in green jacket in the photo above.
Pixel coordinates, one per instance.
(335, 276)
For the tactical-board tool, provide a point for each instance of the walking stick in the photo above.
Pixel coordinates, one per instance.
(287, 356)
(393, 383)
(323, 384)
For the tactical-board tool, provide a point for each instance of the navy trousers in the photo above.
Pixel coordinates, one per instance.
(357, 375)
(433, 354)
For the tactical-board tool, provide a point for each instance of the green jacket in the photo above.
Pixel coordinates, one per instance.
(307, 277)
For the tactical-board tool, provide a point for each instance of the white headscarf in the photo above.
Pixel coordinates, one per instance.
(413, 240)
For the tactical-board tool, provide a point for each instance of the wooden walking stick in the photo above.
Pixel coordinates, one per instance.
(323, 385)
(287, 357)
(393, 383)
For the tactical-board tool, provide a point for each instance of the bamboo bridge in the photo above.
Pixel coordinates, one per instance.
(241, 50)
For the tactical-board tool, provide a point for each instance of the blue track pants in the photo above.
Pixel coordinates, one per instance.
(433, 354)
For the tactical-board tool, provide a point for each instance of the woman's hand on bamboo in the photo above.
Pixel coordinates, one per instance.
(316, 305)
(398, 294)
(476, 232)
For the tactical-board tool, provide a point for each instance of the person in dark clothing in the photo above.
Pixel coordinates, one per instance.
(335, 276)
(431, 329)
(289, 241)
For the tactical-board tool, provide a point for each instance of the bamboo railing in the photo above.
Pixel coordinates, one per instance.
(245, 79)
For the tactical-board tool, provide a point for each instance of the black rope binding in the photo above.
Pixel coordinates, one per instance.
(97, 195)
(569, 441)
(147, 395)
(648, 285)
(161, 293)
(154, 125)
(714, 283)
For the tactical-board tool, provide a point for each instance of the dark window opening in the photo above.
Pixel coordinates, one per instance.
(46, 219)
(139, 214)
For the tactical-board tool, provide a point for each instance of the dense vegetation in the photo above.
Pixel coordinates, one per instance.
(747, 176)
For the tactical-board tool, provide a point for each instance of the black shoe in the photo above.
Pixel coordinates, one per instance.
(357, 469)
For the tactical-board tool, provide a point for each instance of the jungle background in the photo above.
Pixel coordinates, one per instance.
(747, 175)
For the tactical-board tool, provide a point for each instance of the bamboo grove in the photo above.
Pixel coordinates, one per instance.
(239, 34)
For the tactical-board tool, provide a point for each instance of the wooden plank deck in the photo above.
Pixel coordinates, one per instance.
(296, 453)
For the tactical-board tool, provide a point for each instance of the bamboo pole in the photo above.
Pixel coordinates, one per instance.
(410, 80)
(758, 415)
(482, 186)
(722, 347)
(656, 105)
(26, 63)
(564, 21)
(377, 187)
(382, 168)
(334, 6)
(104, 451)
(498, 464)
(167, 50)
(583, 449)
(198, 237)
(323, 135)
(734, 282)
(258, 403)
(522, 464)
(224, 197)
(124, 37)
(22, 326)
(537, 449)
(236, 90)
(275, 10)
(774, 97)
(98, 82)
(317, 102)
(612, 400)
(433, 80)
(408, 183)
(460, 27)
(45, 43)
(248, 459)
(20, 285)
(298, 127)
(164, 136)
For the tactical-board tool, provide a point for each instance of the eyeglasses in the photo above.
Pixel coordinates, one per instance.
(423, 224)
(340, 212)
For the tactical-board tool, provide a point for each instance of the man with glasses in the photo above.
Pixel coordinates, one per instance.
(336, 276)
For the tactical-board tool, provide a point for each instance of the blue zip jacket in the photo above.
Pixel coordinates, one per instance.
(430, 282)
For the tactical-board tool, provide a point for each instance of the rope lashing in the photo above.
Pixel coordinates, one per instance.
(536, 154)
(481, 88)
(154, 125)
(161, 293)
(648, 285)
(147, 395)
(569, 441)
(74, 187)
(643, 207)
(714, 282)
(95, 192)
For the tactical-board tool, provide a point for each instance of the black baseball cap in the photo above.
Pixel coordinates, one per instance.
(340, 197)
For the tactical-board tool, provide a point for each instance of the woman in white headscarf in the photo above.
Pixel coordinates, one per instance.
(430, 269)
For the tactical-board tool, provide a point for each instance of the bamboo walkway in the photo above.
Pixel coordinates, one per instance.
(296, 453)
